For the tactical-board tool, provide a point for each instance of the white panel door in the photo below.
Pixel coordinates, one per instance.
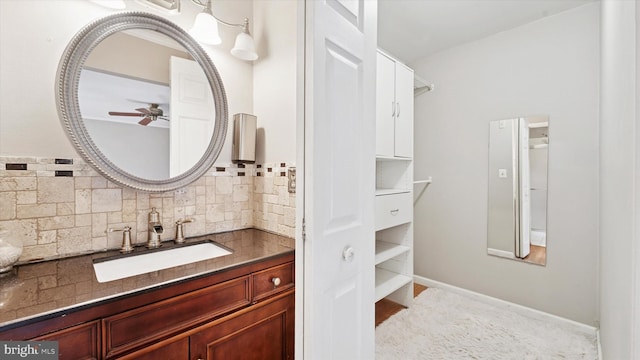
(340, 58)
(385, 105)
(404, 112)
(192, 115)
(524, 247)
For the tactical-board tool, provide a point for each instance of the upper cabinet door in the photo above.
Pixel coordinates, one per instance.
(394, 108)
(385, 105)
(403, 135)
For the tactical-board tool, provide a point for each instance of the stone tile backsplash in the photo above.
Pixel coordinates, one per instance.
(58, 216)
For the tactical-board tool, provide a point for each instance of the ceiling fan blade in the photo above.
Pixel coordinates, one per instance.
(117, 113)
(145, 121)
(166, 118)
(144, 111)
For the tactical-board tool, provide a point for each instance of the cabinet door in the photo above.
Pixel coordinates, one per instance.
(404, 112)
(264, 332)
(78, 342)
(385, 105)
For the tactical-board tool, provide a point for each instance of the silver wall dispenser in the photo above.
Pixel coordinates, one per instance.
(244, 138)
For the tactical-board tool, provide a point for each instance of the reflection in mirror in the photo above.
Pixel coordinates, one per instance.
(150, 111)
(517, 201)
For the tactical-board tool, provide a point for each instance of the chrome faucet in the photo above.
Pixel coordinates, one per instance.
(126, 239)
(180, 230)
(155, 229)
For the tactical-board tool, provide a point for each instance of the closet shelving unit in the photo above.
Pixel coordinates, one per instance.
(394, 229)
(394, 181)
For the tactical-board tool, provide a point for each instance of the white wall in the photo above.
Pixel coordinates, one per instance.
(275, 80)
(30, 52)
(618, 182)
(501, 220)
(150, 144)
(549, 67)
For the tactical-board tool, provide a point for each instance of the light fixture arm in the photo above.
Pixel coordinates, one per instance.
(205, 29)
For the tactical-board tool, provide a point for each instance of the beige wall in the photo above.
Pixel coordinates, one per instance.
(275, 79)
(134, 57)
(549, 67)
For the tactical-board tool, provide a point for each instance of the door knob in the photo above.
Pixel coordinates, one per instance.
(348, 254)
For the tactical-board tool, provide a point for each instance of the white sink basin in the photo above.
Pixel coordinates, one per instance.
(128, 266)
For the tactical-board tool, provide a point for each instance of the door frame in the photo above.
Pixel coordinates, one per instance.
(300, 178)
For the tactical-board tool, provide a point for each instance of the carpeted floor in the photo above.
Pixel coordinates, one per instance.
(445, 326)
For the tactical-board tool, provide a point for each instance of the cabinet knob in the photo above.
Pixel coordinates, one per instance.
(395, 212)
(275, 281)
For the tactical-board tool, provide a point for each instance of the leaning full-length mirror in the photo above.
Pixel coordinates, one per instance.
(517, 194)
(142, 102)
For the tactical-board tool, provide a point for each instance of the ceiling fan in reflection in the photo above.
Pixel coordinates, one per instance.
(153, 113)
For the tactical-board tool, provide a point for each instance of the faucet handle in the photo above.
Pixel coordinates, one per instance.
(180, 231)
(126, 239)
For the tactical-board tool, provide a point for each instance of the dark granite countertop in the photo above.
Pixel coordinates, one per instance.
(40, 289)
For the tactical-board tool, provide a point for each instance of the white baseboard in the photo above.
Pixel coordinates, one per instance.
(501, 253)
(523, 310)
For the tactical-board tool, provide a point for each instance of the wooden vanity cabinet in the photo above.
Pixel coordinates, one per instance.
(246, 312)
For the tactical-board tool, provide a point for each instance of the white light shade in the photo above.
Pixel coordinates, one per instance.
(205, 29)
(244, 48)
(111, 4)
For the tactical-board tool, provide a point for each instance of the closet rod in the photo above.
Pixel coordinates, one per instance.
(426, 182)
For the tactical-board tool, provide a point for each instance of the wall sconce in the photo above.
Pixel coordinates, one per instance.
(205, 30)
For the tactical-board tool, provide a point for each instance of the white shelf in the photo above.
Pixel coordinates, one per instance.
(388, 282)
(386, 251)
(391, 191)
(392, 158)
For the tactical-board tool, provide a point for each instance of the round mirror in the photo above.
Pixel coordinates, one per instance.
(142, 102)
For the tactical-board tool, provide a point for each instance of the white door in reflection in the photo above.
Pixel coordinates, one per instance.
(523, 243)
(192, 115)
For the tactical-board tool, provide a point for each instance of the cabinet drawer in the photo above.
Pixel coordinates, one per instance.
(264, 281)
(137, 327)
(392, 210)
